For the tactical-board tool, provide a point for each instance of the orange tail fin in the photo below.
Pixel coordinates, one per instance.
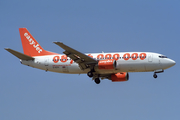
(30, 46)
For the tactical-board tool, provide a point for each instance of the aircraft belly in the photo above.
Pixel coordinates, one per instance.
(75, 69)
(67, 68)
(106, 71)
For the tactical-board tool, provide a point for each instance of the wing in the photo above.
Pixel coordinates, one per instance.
(83, 60)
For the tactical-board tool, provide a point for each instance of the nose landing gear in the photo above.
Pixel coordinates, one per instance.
(155, 76)
(157, 71)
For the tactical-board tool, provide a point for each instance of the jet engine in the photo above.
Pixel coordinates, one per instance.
(107, 64)
(120, 77)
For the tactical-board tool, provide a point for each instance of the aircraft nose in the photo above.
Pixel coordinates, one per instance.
(167, 63)
(172, 62)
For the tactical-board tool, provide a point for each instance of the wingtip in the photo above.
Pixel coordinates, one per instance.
(6, 48)
(57, 42)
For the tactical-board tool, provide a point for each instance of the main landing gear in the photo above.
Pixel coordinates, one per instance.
(90, 74)
(157, 71)
(97, 80)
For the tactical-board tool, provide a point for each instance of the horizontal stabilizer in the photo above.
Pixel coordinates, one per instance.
(19, 55)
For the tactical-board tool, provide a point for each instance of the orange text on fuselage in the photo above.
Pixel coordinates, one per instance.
(116, 56)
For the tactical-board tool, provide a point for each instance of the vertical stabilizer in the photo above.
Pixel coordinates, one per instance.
(30, 46)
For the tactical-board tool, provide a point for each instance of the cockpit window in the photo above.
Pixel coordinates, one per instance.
(162, 56)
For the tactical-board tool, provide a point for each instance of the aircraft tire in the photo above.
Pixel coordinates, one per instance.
(90, 74)
(97, 81)
(155, 76)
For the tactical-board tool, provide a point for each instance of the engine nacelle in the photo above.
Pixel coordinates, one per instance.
(107, 64)
(120, 77)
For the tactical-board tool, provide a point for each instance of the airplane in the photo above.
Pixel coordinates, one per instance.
(98, 66)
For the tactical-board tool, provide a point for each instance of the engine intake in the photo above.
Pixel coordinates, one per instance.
(107, 64)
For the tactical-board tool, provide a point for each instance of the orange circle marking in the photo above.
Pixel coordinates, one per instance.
(90, 55)
(126, 56)
(100, 56)
(142, 56)
(56, 59)
(116, 56)
(134, 56)
(63, 58)
(108, 56)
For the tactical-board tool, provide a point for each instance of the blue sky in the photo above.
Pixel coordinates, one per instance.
(90, 26)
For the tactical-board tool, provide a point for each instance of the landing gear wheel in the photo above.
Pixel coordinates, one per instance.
(97, 80)
(90, 74)
(155, 76)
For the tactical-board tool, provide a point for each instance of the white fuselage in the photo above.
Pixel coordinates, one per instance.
(126, 62)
